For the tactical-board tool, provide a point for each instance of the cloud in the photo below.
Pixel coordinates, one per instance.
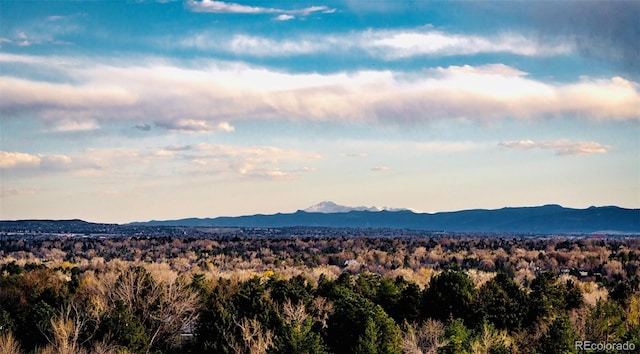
(19, 39)
(212, 6)
(447, 146)
(55, 18)
(560, 147)
(261, 154)
(403, 44)
(55, 162)
(241, 44)
(143, 126)
(355, 154)
(71, 125)
(381, 168)
(195, 126)
(602, 30)
(385, 44)
(207, 96)
(266, 162)
(18, 160)
(12, 191)
(201, 160)
(49, 30)
(61, 95)
(284, 17)
(25, 161)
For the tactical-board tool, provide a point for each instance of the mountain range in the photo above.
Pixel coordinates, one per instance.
(546, 219)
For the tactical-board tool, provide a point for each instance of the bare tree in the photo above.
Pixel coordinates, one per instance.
(255, 339)
(425, 338)
(323, 308)
(176, 312)
(105, 347)
(65, 330)
(294, 313)
(490, 338)
(167, 310)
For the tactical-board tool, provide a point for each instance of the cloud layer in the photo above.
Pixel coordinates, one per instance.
(560, 147)
(203, 159)
(210, 95)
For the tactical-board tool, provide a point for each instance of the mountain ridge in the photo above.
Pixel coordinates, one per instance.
(546, 219)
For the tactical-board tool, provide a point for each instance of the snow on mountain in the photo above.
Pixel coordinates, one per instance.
(331, 207)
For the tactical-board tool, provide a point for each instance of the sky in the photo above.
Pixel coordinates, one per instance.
(120, 111)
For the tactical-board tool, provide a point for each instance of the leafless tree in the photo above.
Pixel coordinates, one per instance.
(166, 310)
(294, 313)
(65, 331)
(254, 339)
(490, 338)
(425, 338)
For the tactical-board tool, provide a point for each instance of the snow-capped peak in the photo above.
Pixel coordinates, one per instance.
(331, 207)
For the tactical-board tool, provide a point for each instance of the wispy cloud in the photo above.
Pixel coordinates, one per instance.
(383, 44)
(72, 125)
(448, 146)
(195, 126)
(143, 126)
(242, 44)
(403, 44)
(13, 191)
(235, 8)
(381, 168)
(265, 162)
(560, 147)
(355, 154)
(50, 30)
(214, 160)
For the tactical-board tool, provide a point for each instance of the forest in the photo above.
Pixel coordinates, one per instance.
(353, 291)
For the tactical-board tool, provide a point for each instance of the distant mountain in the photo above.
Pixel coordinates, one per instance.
(56, 226)
(547, 219)
(328, 207)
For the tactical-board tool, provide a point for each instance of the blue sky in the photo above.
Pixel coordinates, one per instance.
(136, 110)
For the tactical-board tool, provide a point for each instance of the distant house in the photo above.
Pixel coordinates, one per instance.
(350, 262)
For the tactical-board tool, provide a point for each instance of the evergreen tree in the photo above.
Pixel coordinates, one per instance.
(357, 322)
(458, 337)
(124, 328)
(560, 337)
(450, 294)
(502, 302)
